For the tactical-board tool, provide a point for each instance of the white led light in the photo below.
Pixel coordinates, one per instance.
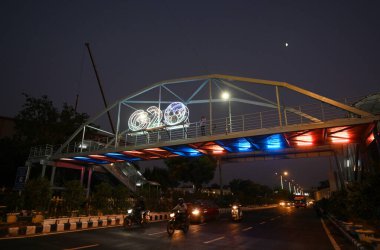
(176, 113)
(138, 120)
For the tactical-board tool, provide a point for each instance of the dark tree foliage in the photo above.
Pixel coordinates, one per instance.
(198, 170)
(121, 195)
(37, 123)
(248, 192)
(162, 176)
(74, 195)
(102, 197)
(37, 194)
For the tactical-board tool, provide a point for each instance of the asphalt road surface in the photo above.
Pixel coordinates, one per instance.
(276, 228)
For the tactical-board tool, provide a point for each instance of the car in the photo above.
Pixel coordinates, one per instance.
(286, 203)
(202, 210)
(300, 203)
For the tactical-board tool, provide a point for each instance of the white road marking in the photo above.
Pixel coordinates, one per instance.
(82, 247)
(210, 241)
(246, 229)
(158, 233)
(333, 242)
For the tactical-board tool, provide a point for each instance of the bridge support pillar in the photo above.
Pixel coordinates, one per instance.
(43, 162)
(52, 176)
(89, 182)
(81, 175)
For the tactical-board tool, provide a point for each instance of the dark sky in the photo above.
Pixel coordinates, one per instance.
(333, 48)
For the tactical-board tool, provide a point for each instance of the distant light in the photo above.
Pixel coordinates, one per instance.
(285, 173)
(286, 44)
(370, 138)
(225, 95)
(84, 146)
(274, 142)
(340, 137)
(304, 140)
(217, 152)
(66, 159)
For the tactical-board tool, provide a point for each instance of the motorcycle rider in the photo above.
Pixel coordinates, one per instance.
(182, 208)
(238, 206)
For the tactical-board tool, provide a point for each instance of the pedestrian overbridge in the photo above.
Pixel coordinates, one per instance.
(164, 120)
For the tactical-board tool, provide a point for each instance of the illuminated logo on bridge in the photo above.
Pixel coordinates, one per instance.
(176, 115)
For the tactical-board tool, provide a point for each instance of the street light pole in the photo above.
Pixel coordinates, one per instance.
(226, 96)
(229, 113)
(282, 185)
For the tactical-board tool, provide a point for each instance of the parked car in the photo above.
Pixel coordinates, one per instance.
(202, 210)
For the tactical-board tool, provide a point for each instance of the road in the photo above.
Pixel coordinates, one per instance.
(276, 228)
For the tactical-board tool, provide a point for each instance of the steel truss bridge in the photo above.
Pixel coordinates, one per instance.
(245, 124)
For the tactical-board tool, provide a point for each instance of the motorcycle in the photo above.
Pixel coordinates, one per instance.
(236, 213)
(136, 218)
(178, 221)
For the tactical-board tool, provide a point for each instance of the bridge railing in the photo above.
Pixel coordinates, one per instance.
(305, 114)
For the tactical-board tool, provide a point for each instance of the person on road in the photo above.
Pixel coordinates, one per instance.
(202, 124)
(182, 208)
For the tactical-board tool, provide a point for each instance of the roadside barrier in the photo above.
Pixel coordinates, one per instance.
(77, 223)
(345, 230)
(66, 224)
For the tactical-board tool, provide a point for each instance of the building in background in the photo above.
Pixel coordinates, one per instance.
(7, 127)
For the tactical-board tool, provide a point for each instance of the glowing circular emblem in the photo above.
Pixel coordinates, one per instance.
(176, 113)
(138, 120)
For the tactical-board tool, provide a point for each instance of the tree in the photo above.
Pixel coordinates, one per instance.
(74, 195)
(37, 123)
(121, 194)
(198, 170)
(249, 192)
(102, 197)
(162, 176)
(37, 194)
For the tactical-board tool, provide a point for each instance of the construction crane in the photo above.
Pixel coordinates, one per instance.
(100, 86)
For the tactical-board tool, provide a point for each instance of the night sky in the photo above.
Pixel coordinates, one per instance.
(334, 50)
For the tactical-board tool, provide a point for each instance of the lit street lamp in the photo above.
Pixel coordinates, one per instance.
(285, 173)
(226, 96)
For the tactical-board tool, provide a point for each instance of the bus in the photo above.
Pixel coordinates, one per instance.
(299, 201)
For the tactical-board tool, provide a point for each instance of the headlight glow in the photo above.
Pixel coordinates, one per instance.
(234, 207)
(195, 211)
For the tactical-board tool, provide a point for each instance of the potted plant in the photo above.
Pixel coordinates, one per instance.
(13, 202)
